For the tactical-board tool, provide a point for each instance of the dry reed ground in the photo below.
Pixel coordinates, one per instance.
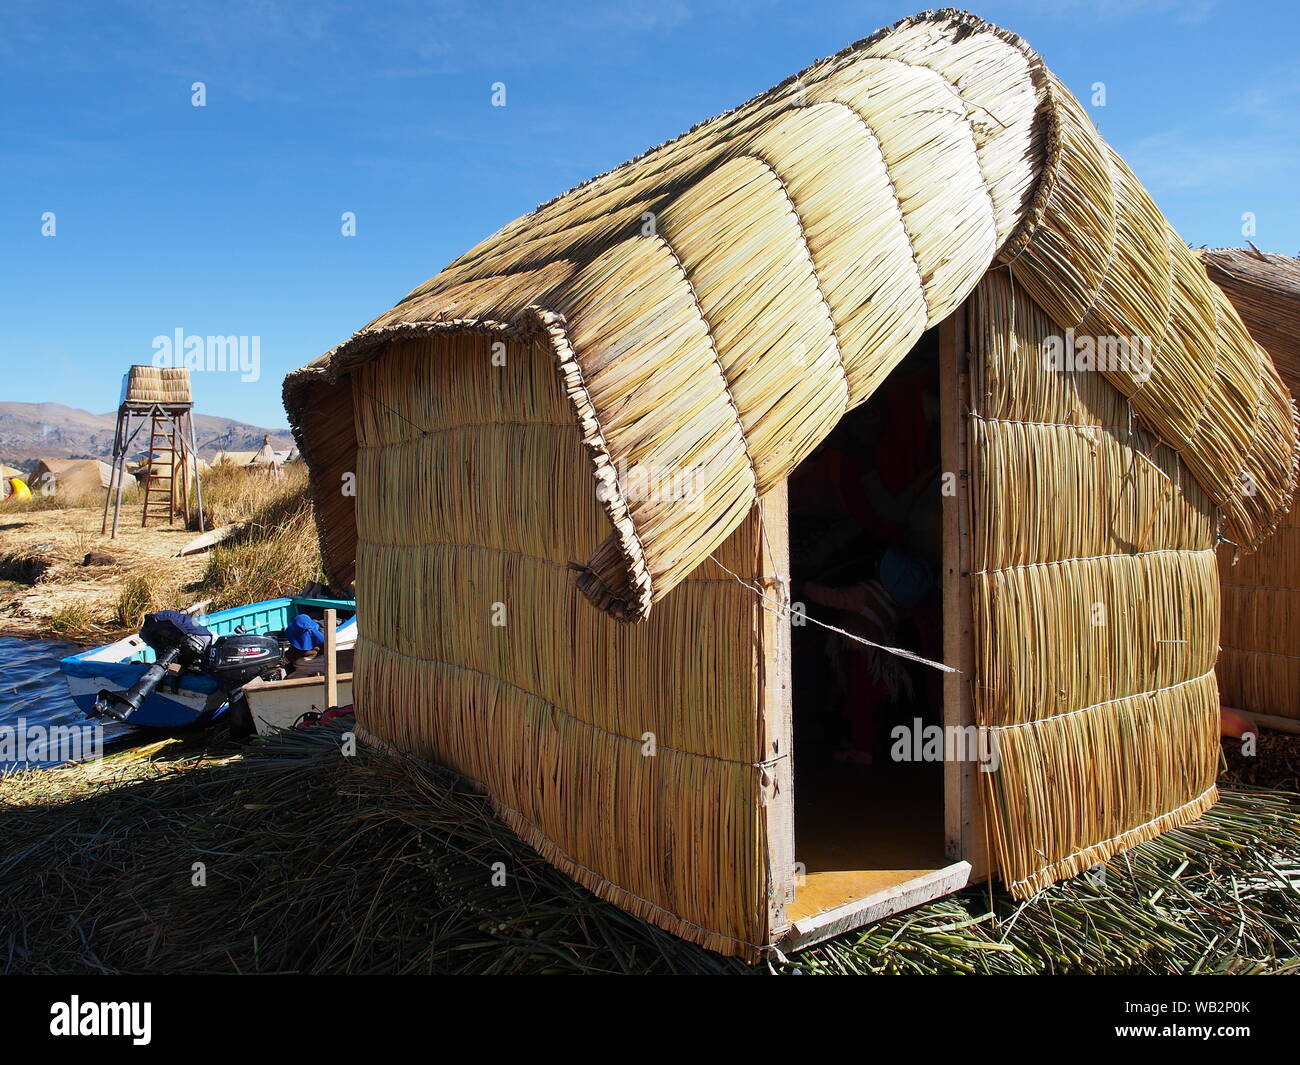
(46, 591)
(54, 542)
(378, 863)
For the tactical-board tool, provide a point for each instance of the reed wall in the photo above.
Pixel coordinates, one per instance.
(479, 651)
(1096, 607)
(1259, 663)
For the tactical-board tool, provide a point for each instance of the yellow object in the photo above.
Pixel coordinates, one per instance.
(20, 489)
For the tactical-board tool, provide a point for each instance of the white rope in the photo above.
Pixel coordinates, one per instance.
(781, 611)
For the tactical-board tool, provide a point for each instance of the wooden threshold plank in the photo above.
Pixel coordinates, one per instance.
(925, 888)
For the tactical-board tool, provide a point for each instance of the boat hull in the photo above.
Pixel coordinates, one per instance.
(178, 702)
(279, 704)
(182, 700)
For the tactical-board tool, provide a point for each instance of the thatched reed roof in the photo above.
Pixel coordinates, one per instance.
(718, 303)
(1265, 289)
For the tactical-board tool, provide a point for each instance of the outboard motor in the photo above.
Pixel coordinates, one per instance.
(232, 661)
(174, 637)
(235, 660)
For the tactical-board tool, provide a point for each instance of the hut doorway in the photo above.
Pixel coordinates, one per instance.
(866, 556)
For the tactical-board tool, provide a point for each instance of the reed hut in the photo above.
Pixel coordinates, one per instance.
(579, 480)
(1259, 664)
(71, 476)
(234, 458)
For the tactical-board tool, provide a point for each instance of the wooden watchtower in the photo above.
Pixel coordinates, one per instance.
(157, 398)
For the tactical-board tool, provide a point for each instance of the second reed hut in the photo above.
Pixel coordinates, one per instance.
(78, 477)
(581, 480)
(1259, 665)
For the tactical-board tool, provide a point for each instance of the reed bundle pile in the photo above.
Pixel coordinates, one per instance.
(318, 863)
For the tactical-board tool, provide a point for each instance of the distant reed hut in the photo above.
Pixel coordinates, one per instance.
(233, 458)
(266, 458)
(1259, 666)
(69, 477)
(589, 477)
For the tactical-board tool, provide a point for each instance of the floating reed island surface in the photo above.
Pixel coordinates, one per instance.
(286, 856)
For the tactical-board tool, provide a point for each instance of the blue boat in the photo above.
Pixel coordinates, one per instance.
(187, 698)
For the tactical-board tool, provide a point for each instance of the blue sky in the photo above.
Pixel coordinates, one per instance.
(226, 219)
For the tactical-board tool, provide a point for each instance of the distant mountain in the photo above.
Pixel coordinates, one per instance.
(30, 431)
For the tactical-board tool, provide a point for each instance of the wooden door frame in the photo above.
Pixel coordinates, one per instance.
(964, 839)
(964, 830)
(776, 710)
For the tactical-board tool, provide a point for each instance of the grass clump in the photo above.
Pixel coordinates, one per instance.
(237, 493)
(75, 620)
(142, 593)
(275, 553)
(65, 499)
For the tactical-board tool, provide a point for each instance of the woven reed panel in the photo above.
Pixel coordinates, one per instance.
(1096, 602)
(158, 384)
(1259, 666)
(472, 491)
(719, 302)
